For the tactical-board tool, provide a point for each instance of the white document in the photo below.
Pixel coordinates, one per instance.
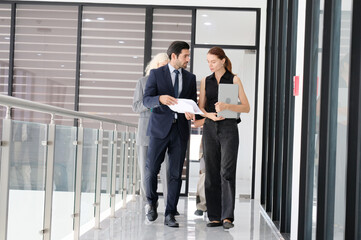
(185, 105)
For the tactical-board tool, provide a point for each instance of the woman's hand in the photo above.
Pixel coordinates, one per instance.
(220, 106)
(189, 116)
(214, 117)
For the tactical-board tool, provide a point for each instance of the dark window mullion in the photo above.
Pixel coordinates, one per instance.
(78, 59)
(193, 37)
(353, 191)
(266, 101)
(258, 24)
(148, 38)
(12, 49)
(280, 88)
(285, 220)
(308, 120)
(328, 120)
(272, 114)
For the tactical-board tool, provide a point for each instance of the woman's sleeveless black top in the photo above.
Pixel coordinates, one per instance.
(212, 89)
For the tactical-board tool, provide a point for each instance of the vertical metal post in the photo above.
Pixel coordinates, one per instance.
(138, 172)
(125, 176)
(114, 172)
(50, 144)
(79, 158)
(121, 163)
(99, 176)
(4, 174)
(134, 159)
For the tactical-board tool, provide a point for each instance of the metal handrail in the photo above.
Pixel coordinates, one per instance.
(9, 101)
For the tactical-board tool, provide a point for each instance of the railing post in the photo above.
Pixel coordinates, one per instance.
(4, 174)
(121, 163)
(134, 157)
(50, 144)
(99, 176)
(114, 172)
(126, 157)
(79, 156)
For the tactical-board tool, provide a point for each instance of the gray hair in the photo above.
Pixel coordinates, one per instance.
(160, 57)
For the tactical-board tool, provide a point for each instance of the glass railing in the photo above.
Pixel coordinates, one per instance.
(57, 182)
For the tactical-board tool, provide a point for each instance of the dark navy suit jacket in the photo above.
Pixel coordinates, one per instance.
(160, 83)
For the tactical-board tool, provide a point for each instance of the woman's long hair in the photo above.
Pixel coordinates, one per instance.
(217, 51)
(160, 57)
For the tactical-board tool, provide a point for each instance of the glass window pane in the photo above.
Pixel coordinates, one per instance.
(341, 149)
(106, 170)
(318, 111)
(64, 177)
(238, 28)
(45, 54)
(2, 116)
(27, 176)
(170, 25)
(88, 176)
(111, 60)
(5, 17)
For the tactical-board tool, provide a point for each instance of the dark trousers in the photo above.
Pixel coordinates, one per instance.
(176, 152)
(220, 148)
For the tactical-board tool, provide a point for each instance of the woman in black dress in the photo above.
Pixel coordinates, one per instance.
(220, 139)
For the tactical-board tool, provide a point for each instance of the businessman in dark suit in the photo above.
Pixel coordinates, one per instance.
(168, 130)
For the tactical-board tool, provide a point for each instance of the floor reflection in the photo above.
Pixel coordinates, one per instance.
(131, 224)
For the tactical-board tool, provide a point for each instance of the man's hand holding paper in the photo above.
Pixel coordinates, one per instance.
(167, 100)
(185, 105)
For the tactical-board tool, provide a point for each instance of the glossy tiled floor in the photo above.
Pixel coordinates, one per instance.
(251, 223)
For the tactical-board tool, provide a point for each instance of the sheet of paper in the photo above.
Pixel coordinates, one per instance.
(186, 105)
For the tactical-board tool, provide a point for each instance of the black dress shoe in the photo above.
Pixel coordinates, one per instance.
(176, 213)
(198, 212)
(214, 224)
(170, 221)
(152, 214)
(227, 225)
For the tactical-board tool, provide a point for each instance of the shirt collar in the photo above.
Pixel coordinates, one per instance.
(171, 69)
